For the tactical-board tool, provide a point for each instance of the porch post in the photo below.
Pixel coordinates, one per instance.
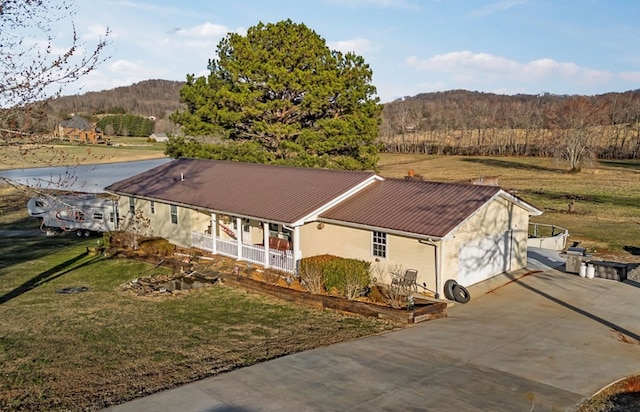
(239, 236)
(214, 230)
(297, 253)
(265, 241)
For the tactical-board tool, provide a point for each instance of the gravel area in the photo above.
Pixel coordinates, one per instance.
(634, 274)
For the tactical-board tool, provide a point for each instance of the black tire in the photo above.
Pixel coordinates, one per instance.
(461, 294)
(448, 288)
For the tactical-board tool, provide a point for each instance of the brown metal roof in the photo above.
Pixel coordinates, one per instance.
(275, 193)
(412, 206)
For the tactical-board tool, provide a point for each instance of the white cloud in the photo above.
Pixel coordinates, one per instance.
(468, 66)
(96, 32)
(633, 77)
(207, 29)
(123, 66)
(358, 46)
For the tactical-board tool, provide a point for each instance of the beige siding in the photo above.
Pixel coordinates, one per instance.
(402, 252)
(492, 219)
(160, 222)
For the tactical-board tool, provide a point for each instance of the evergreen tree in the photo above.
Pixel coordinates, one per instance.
(280, 95)
(127, 125)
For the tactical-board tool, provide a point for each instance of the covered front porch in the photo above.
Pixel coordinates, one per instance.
(262, 243)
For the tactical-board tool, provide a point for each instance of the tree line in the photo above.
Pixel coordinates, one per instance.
(472, 123)
(126, 125)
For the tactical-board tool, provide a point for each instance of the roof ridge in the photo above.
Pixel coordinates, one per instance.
(283, 166)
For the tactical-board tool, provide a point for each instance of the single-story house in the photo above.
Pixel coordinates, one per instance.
(276, 215)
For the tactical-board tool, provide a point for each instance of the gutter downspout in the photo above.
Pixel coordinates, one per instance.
(436, 263)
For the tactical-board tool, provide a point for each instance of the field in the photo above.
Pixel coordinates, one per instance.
(606, 218)
(61, 154)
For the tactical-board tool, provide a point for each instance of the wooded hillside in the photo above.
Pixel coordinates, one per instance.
(451, 122)
(157, 98)
(464, 122)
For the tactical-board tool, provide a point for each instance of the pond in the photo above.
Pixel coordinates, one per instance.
(86, 178)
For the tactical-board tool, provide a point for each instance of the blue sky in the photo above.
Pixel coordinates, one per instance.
(413, 46)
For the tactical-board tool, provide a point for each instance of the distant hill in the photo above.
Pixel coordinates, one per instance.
(156, 98)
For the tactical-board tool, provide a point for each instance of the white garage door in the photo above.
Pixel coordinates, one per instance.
(483, 258)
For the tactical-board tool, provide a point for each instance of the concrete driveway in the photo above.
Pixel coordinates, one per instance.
(544, 342)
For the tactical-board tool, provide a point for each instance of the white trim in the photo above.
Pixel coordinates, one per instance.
(373, 243)
(526, 206)
(239, 236)
(265, 240)
(214, 231)
(355, 189)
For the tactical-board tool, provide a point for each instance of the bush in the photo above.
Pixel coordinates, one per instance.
(311, 272)
(157, 247)
(347, 277)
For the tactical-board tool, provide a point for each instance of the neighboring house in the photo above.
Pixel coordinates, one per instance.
(275, 215)
(159, 137)
(79, 130)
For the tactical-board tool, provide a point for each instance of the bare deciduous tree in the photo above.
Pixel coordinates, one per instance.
(35, 69)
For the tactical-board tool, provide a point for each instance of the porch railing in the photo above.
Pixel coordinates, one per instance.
(278, 259)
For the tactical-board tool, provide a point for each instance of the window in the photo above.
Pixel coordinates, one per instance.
(174, 214)
(273, 230)
(246, 227)
(152, 206)
(132, 205)
(379, 244)
(97, 216)
(111, 217)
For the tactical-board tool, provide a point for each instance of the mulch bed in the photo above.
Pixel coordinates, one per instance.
(621, 396)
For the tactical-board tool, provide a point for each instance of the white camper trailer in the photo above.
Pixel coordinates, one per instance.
(83, 214)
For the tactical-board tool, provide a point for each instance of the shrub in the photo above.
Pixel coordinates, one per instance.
(347, 276)
(311, 272)
(392, 293)
(157, 247)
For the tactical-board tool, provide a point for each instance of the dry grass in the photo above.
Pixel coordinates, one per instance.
(105, 346)
(607, 193)
(13, 157)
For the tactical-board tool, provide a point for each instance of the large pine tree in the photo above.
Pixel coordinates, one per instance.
(280, 95)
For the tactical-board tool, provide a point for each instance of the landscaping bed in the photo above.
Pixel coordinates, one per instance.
(421, 310)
